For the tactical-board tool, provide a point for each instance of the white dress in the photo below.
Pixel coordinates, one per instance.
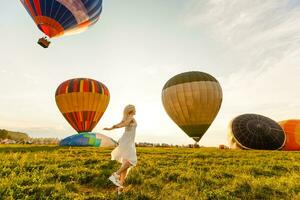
(126, 148)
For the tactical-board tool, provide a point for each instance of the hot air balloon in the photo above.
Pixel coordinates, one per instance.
(88, 139)
(252, 131)
(292, 131)
(82, 102)
(56, 18)
(192, 100)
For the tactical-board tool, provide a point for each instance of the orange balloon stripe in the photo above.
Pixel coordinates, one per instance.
(80, 116)
(77, 114)
(85, 86)
(84, 24)
(49, 26)
(94, 123)
(77, 118)
(88, 117)
(88, 120)
(38, 7)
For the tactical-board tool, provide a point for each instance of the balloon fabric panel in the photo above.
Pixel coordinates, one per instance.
(182, 100)
(292, 131)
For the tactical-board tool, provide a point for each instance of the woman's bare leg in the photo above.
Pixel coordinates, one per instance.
(123, 176)
(124, 167)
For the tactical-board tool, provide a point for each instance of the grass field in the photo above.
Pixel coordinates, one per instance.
(51, 172)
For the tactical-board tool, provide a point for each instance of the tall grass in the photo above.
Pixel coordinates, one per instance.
(51, 172)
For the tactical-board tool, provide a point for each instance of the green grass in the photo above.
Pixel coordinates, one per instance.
(51, 172)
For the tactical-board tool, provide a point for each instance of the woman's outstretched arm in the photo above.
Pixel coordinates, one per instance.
(121, 124)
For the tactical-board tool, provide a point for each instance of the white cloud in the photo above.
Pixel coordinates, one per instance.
(262, 39)
(258, 31)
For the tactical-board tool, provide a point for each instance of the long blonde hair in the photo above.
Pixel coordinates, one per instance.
(127, 111)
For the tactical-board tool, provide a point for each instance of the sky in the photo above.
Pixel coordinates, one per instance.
(252, 47)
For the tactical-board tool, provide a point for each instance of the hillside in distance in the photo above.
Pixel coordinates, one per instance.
(17, 136)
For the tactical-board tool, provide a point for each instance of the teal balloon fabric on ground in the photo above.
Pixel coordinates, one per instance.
(88, 140)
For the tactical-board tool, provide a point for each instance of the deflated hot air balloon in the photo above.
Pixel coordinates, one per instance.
(292, 131)
(192, 100)
(252, 131)
(56, 18)
(82, 102)
(88, 139)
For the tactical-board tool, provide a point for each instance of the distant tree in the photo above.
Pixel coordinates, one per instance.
(3, 134)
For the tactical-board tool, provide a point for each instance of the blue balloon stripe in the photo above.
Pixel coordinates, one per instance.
(94, 18)
(93, 7)
(95, 13)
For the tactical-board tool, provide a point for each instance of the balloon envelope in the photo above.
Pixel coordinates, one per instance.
(88, 139)
(82, 102)
(192, 100)
(252, 131)
(292, 131)
(60, 17)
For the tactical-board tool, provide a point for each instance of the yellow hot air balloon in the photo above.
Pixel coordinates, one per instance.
(82, 102)
(192, 100)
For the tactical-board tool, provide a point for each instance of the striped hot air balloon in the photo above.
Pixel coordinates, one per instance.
(82, 102)
(192, 100)
(56, 18)
(292, 131)
(252, 131)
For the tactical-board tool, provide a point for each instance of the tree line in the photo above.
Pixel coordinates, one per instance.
(23, 138)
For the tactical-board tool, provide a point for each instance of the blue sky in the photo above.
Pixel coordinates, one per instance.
(251, 47)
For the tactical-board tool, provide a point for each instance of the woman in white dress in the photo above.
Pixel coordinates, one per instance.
(125, 152)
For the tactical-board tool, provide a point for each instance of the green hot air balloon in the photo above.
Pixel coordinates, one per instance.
(192, 100)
